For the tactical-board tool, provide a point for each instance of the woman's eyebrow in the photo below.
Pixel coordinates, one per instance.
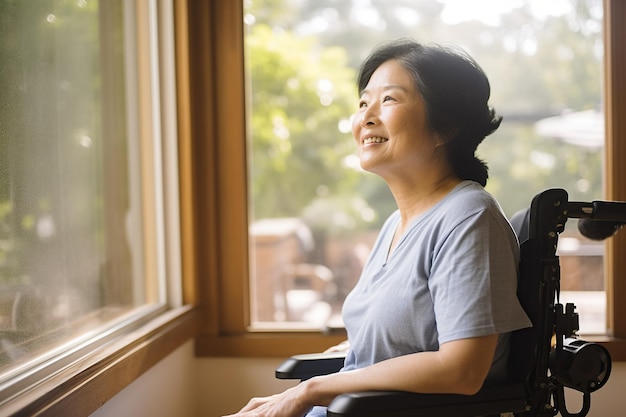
(387, 88)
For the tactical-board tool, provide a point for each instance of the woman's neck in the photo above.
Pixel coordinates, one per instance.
(415, 199)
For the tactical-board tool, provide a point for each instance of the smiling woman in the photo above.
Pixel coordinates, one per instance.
(391, 107)
(433, 310)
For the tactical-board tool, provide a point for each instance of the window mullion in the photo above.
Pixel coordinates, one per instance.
(230, 143)
(615, 103)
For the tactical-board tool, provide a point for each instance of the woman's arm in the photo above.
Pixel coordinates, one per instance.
(459, 367)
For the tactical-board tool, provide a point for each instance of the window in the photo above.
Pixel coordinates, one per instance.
(314, 214)
(89, 233)
(231, 330)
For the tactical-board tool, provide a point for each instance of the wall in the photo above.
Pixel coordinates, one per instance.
(608, 401)
(168, 389)
(184, 386)
(228, 384)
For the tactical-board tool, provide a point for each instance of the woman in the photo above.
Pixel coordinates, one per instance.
(436, 301)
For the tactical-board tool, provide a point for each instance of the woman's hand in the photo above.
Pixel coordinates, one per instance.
(290, 403)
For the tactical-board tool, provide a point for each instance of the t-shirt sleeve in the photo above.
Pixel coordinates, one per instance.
(473, 280)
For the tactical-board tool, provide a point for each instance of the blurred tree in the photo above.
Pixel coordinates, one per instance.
(46, 77)
(540, 63)
(302, 98)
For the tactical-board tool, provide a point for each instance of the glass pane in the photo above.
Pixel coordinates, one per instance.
(314, 214)
(71, 229)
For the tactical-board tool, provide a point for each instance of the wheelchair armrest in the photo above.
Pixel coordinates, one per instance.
(306, 366)
(509, 397)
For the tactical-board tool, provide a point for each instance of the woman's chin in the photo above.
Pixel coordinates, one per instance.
(369, 161)
(369, 167)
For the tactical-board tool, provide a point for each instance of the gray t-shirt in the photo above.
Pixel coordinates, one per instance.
(452, 275)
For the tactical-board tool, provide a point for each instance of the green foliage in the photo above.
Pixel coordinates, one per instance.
(539, 66)
(50, 89)
(301, 94)
(522, 163)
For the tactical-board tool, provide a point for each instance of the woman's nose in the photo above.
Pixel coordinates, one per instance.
(369, 117)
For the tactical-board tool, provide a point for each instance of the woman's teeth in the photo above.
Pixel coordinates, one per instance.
(374, 140)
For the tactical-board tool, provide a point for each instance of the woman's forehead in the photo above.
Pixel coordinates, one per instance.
(391, 75)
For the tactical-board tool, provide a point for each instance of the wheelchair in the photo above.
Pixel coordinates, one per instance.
(543, 360)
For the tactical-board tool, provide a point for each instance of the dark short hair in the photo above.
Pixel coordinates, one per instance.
(456, 94)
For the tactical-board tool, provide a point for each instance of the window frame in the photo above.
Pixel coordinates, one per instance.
(615, 154)
(219, 119)
(101, 371)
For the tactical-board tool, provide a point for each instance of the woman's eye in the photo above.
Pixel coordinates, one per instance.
(388, 98)
(362, 104)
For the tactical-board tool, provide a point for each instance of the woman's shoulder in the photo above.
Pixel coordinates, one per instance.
(470, 209)
(471, 197)
(468, 200)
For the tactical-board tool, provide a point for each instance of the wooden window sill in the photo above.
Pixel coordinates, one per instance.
(266, 344)
(615, 345)
(83, 387)
(285, 344)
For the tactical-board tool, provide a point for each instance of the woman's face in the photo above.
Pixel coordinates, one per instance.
(391, 129)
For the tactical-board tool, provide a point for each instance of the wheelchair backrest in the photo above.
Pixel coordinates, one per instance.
(524, 342)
